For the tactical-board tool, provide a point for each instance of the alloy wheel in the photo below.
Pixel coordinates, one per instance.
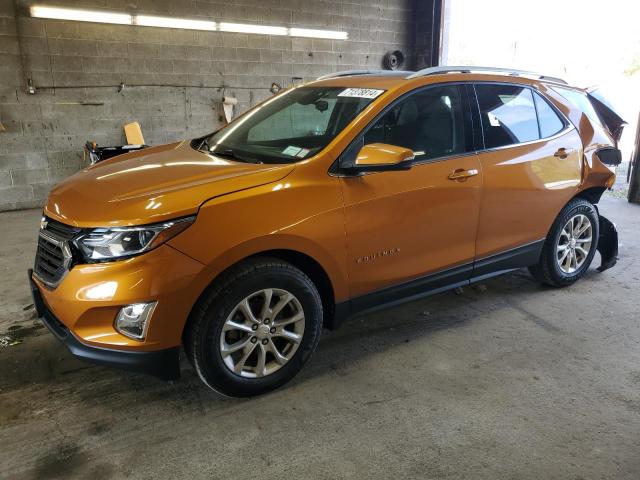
(262, 333)
(574, 243)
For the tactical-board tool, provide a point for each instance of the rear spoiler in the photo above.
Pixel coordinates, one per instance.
(610, 119)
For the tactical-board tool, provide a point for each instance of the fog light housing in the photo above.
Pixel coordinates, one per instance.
(133, 320)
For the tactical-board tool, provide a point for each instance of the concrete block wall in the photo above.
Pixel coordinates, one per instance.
(427, 29)
(174, 79)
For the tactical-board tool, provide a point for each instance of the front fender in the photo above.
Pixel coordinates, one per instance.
(330, 261)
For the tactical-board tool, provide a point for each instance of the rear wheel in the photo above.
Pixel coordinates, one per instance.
(256, 328)
(570, 246)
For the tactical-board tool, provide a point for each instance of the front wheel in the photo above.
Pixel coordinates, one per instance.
(570, 245)
(255, 329)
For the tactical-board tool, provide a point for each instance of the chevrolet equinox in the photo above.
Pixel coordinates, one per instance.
(327, 200)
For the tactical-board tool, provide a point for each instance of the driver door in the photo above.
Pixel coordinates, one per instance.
(415, 230)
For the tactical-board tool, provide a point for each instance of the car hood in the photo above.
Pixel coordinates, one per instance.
(152, 185)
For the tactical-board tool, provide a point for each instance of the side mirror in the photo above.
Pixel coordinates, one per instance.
(380, 157)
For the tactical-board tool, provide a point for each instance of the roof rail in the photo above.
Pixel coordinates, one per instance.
(346, 73)
(472, 69)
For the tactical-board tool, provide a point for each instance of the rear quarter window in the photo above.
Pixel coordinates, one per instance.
(550, 122)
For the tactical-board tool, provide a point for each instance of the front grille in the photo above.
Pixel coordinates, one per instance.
(60, 230)
(53, 256)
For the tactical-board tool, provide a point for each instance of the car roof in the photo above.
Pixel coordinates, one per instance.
(391, 80)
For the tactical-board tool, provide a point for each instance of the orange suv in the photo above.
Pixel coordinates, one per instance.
(329, 199)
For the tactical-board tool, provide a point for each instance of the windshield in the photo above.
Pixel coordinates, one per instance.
(292, 126)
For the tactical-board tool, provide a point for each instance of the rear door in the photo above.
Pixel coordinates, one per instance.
(531, 165)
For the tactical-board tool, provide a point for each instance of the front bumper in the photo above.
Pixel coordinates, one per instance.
(164, 364)
(90, 296)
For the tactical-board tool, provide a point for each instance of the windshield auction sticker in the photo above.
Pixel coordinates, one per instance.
(361, 92)
(291, 151)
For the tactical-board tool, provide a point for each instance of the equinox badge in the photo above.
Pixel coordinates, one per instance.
(376, 255)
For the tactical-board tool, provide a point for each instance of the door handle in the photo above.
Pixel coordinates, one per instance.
(562, 152)
(461, 174)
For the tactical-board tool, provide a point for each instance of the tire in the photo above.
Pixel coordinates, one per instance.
(236, 301)
(549, 269)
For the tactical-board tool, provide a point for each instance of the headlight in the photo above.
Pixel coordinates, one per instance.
(101, 244)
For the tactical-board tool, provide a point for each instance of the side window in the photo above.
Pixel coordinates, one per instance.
(550, 122)
(430, 122)
(508, 115)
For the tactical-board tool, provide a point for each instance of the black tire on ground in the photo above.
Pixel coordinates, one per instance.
(547, 270)
(202, 336)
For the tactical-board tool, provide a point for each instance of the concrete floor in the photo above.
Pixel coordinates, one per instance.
(506, 380)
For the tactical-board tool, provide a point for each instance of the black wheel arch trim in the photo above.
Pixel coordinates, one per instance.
(607, 243)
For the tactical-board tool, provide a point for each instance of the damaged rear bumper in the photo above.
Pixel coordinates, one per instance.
(607, 244)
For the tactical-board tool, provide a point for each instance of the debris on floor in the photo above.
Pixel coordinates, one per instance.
(7, 341)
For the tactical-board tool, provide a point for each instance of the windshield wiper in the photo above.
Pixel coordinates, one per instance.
(204, 143)
(229, 153)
